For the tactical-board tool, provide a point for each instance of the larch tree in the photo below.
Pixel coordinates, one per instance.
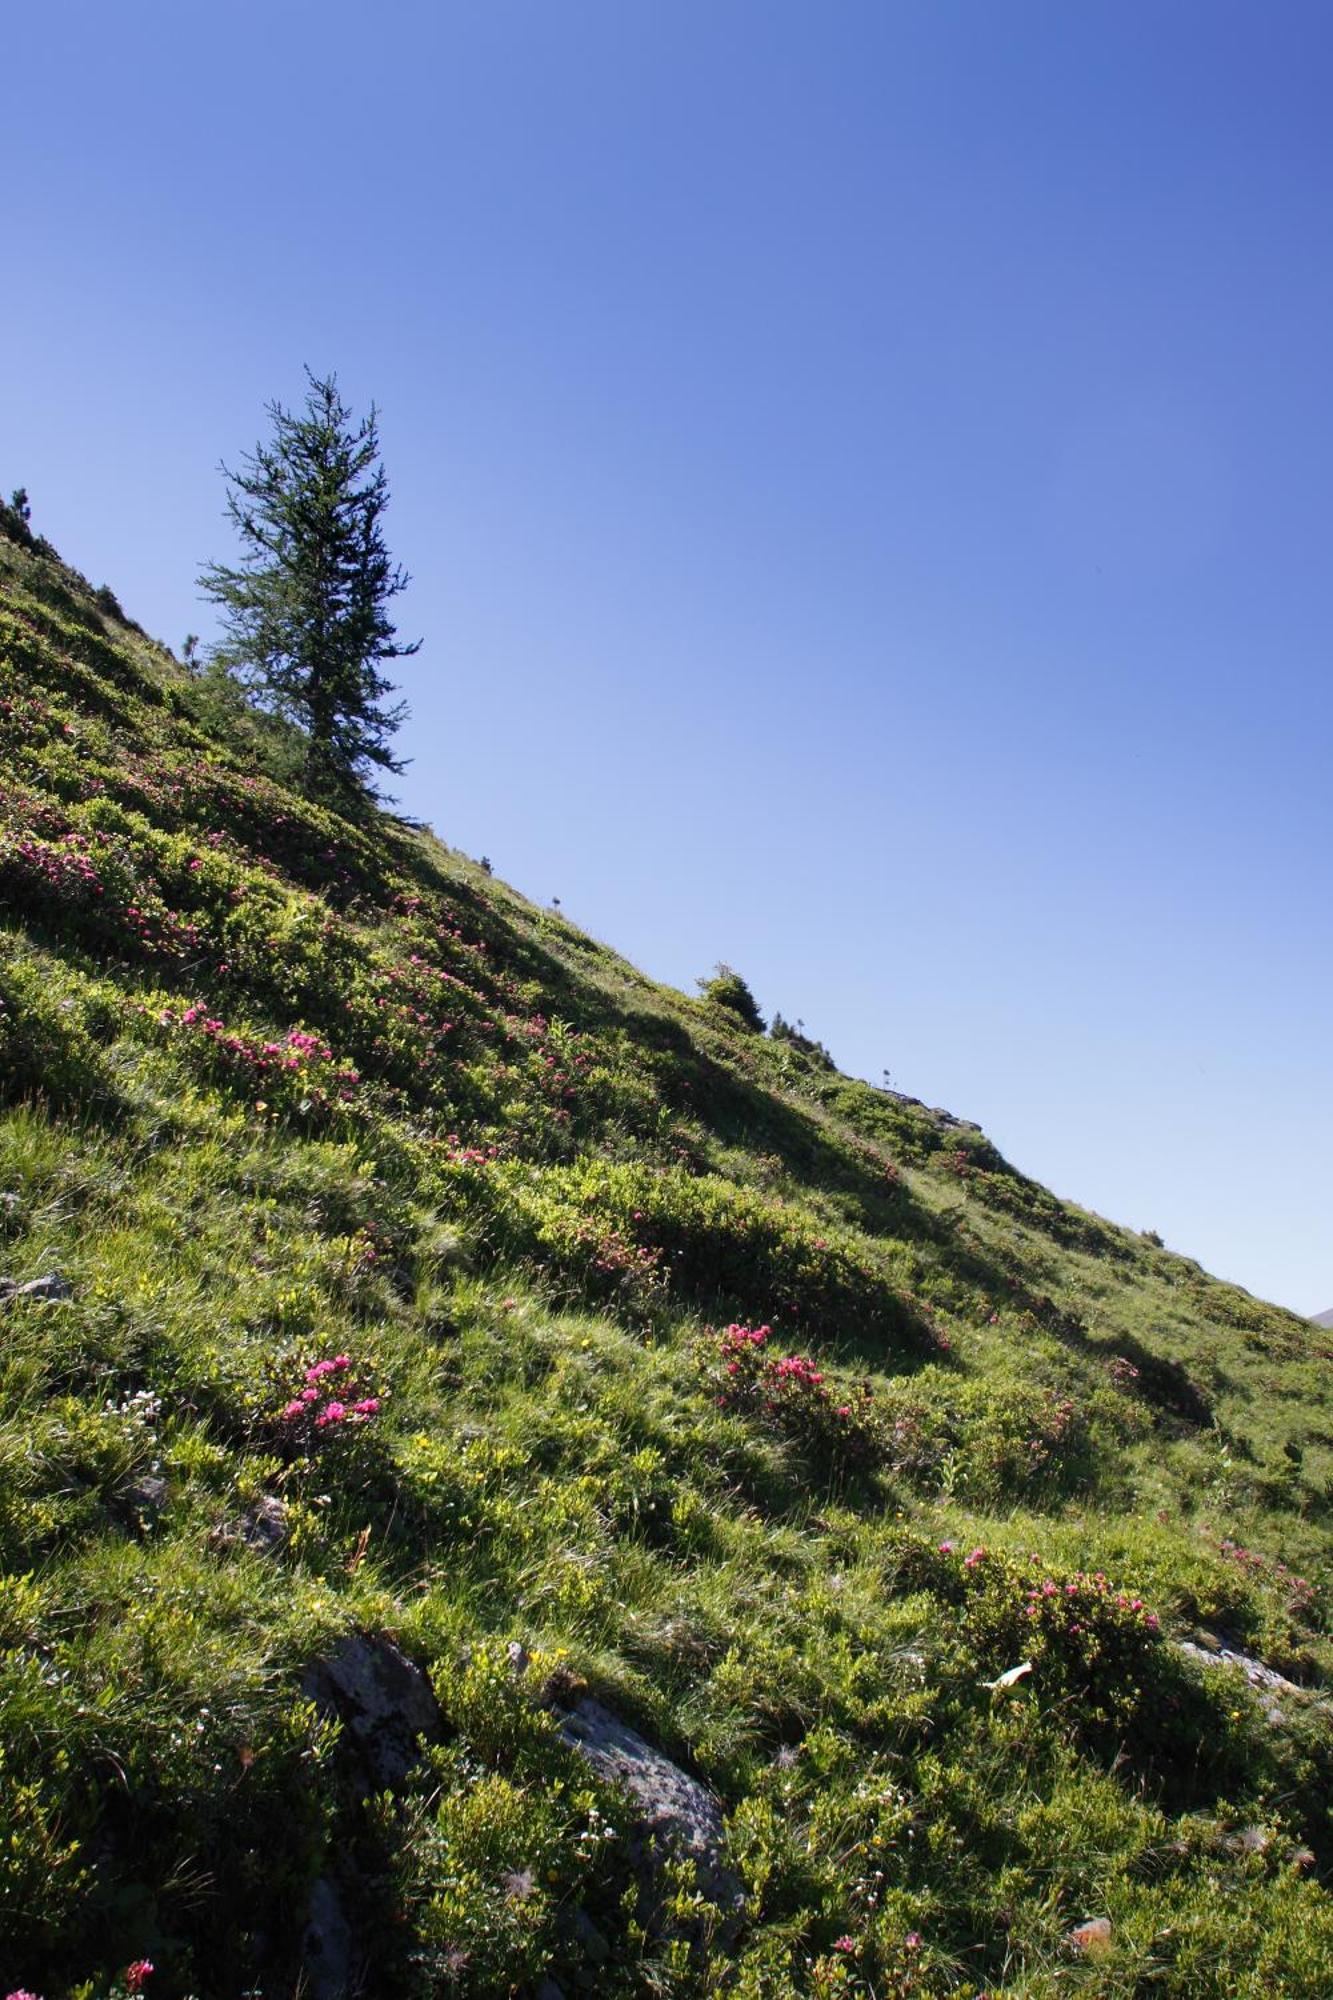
(306, 626)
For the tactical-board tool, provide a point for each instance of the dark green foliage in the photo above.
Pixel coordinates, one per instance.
(727, 989)
(15, 514)
(794, 1036)
(305, 612)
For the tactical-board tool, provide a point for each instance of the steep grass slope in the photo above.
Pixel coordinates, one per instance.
(426, 1271)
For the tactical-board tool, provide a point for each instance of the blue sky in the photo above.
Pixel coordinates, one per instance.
(864, 471)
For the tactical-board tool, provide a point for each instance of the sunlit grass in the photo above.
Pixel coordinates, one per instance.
(413, 1121)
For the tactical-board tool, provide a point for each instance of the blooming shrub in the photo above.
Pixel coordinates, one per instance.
(332, 1401)
(90, 878)
(701, 1237)
(134, 1979)
(1299, 1594)
(1018, 1442)
(789, 1395)
(300, 1071)
(992, 1445)
(1095, 1648)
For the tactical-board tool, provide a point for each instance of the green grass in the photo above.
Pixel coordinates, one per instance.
(278, 1087)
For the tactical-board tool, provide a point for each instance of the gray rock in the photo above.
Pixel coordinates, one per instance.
(384, 1702)
(326, 1949)
(265, 1526)
(590, 1941)
(49, 1287)
(1272, 1687)
(148, 1494)
(680, 1818)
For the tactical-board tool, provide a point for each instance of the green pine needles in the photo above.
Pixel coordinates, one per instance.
(305, 612)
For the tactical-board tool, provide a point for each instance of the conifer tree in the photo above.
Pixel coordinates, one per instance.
(306, 624)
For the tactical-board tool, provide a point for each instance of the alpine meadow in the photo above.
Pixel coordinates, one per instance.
(519, 1481)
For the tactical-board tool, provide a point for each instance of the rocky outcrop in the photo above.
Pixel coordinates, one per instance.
(1274, 1690)
(387, 1709)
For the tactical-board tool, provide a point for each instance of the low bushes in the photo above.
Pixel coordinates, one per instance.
(638, 1234)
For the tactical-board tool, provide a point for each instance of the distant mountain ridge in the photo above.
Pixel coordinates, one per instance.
(1323, 1319)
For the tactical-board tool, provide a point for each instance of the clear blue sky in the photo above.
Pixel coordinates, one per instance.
(865, 470)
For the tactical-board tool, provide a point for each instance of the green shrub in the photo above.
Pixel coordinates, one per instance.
(503, 1831)
(49, 1039)
(641, 1234)
(727, 990)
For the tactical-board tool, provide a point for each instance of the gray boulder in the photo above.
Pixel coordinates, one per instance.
(387, 1708)
(384, 1702)
(329, 1960)
(49, 1287)
(679, 1817)
(265, 1525)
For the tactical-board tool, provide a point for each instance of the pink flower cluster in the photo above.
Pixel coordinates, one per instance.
(1301, 1593)
(460, 1155)
(618, 1256)
(67, 866)
(797, 1368)
(314, 1408)
(63, 863)
(135, 1976)
(736, 1339)
(295, 1056)
(1087, 1594)
(790, 1391)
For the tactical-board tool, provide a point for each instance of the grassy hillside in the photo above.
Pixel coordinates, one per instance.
(424, 1270)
